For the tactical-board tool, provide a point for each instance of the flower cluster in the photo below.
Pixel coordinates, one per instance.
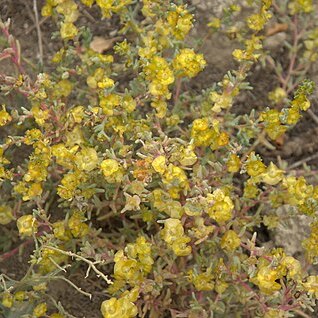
(116, 163)
(297, 6)
(122, 307)
(276, 122)
(173, 235)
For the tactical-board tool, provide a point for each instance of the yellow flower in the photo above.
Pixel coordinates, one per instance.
(74, 138)
(175, 179)
(203, 281)
(47, 10)
(173, 235)
(189, 63)
(275, 313)
(69, 183)
(270, 116)
(68, 30)
(222, 139)
(188, 156)
(160, 199)
(111, 308)
(64, 157)
(272, 175)
(257, 21)
(251, 51)
(277, 95)
(291, 115)
(60, 231)
(310, 243)
(68, 8)
(106, 82)
(297, 6)
(5, 214)
(221, 286)
(200, 124)
(160, 106)
(301, 102)
(4, 116)
(215, 23)
(311, 285)
(122, 48)
(86, 159)
(141, 250)
(266, 280)
(63, 88)
(34, 190)
(119, 308)
(132, 203)
(7, 300)
(180, 247)
(180, 21)
(220, 101)
(88, 3)
(250, 189)
(76, 114)
(222, 206)
(173, 229)
(160, 76)
(233, 164)
(158, 70)
(293, 266)
(109, 167)
(298, 189)
(109, 102)
(254, 166)
(126, 269)
(32, 135)
(201, 133)
(40, 115)
(56, 315)
(112, 170)
(20, 295)
(40, 310)
(159, 164)
(128, 103)
(77, 225)
(27, 225)
(49, 258)
(230, 241)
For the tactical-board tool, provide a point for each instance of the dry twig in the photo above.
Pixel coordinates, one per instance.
(301, 162)
(38, 31)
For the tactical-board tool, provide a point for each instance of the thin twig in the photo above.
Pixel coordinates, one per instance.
(300, 313)
(34, 26)
(38, 30)
(313, 116)
(301, 162)
(178, 90)
(294, 54)
(90, 263)
(76, 287)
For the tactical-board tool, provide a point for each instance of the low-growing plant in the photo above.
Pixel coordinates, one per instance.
(110, 161)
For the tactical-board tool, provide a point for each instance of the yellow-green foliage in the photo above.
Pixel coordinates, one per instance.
(158, 191)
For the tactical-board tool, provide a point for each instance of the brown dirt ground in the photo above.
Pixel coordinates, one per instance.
(217, 50)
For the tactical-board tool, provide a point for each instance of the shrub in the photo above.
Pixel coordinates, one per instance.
(113, 162)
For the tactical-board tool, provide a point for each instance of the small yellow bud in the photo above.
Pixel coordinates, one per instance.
(159, 164)
(7, 300)
(27, 225)
(5, 214)
(230, 241)
(40, 310)
(109, 167)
